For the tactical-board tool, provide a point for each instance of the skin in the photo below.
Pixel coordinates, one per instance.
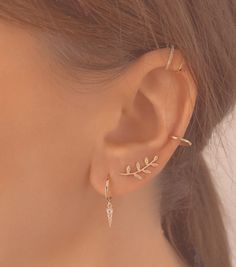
(58, 146)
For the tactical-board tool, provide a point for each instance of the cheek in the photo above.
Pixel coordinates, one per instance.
(29, 110)
(39, 115)
(33, 110)
(39, 124)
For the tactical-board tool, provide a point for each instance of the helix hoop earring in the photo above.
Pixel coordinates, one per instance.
(183, 141)
(170, 59)
(108, 197)
(171, 55)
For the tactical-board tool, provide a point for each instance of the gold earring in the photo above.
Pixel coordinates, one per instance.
(171, 55)
(153, 163)
(183, 141)
(140, 169)
(108, 197)
(170, 59)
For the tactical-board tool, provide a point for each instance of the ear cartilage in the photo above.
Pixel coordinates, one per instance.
(140, 169)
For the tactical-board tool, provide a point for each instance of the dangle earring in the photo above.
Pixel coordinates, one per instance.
(108, 197)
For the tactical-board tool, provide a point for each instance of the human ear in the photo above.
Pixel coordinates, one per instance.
(159, 99)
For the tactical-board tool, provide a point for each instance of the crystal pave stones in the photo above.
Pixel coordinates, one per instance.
(109, 213)
(109, 208)
(140, 169)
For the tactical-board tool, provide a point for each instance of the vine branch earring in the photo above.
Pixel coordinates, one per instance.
(140, 169)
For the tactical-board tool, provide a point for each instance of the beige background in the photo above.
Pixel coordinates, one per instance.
(221, 156)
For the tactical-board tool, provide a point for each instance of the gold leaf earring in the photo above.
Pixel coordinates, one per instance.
(108, 197)
(140, 169)
(182, 141)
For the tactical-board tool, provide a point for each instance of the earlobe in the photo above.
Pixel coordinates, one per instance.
(160, 105)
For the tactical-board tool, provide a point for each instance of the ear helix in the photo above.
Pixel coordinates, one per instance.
(153, 163)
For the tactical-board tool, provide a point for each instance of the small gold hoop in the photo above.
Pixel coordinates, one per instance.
(183, 141)
(171, 55)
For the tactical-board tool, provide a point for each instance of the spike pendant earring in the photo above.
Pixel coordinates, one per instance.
(140, 169)
(108, 197)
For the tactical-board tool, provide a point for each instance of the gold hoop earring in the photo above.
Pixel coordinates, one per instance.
(183, 141)
(170, 59)
(108, 197)
(171, 55)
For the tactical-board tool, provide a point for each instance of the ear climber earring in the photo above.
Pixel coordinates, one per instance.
(108, 197)
(140, 169)
(153, 163)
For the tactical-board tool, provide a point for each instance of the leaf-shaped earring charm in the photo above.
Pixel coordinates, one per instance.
(140, 169)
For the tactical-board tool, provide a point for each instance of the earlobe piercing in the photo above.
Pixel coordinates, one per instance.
(108, 197)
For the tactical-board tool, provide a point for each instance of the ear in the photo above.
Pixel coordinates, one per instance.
(157, 103)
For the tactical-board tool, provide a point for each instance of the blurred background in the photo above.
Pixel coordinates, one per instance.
(221, 158)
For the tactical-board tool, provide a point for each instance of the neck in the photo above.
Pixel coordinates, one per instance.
(135, 238)
(63, 223)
